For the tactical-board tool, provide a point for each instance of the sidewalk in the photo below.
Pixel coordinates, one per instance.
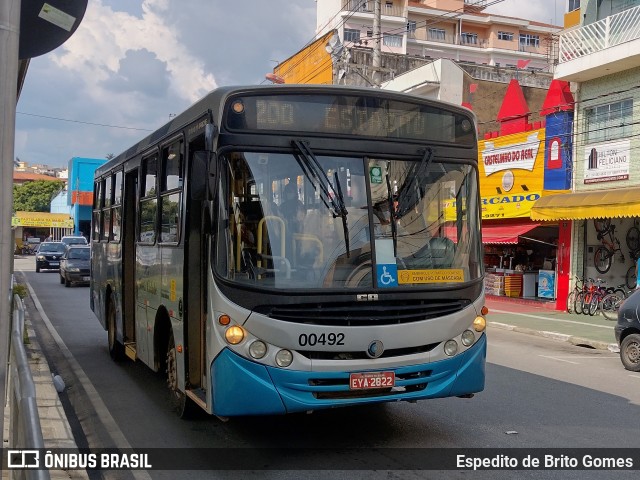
(540, 318)
(56, 431)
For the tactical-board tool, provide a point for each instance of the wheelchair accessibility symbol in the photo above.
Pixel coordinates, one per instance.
(387, 275)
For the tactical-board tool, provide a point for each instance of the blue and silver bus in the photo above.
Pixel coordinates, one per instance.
(289, 248)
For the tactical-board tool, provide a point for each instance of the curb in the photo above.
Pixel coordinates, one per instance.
(560, 337)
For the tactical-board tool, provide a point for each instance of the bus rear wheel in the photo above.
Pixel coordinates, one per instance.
(180, 403)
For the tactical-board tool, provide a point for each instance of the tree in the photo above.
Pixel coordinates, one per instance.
(35, 196)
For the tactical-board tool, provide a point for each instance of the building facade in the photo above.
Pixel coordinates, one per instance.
(79, 193)
(599, 53)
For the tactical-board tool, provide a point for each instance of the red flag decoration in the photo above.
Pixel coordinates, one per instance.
(523, 63)
(473, 87)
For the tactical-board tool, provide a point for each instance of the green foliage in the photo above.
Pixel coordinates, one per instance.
(20, 290)
(35, 196)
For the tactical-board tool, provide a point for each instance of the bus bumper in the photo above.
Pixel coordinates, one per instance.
(243, 387)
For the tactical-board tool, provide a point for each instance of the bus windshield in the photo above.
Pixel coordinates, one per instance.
(300, 221)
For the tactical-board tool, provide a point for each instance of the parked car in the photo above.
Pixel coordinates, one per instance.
(74, 240)
(75, 265)
(48, 255)
(627, 332)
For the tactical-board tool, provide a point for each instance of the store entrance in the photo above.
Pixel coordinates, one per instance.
(523, 265)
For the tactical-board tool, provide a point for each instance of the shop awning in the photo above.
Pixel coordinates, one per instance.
(614, 203)
(505, 234)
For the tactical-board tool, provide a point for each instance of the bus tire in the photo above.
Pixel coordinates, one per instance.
(630, 352)
(180, 403)
(116, 349)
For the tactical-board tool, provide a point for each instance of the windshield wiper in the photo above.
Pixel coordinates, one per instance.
(319, 180)
(392, 216)
(405, 201)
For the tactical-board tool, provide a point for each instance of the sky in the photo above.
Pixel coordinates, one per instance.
(132, 64)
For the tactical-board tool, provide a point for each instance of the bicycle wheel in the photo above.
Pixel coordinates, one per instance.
(577, 305)
(571, 302)
(586, 300)
(601, 224)
(631, 279)
(594, 304)
(602, 259)
(610, 305)
(633, 238)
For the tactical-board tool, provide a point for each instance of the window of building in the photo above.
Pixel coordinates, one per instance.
(411, 28)
(392, 40)
(351, 35)
(609, 121)
(528, 40)
(574, 5)
(469, 38)
(508, 36)
(437, 34)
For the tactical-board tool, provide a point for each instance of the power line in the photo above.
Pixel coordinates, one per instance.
(85, 123)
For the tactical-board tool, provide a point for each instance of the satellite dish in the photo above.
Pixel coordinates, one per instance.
(273, 78)
(44, 26)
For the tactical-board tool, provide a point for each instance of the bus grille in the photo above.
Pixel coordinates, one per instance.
(347, 314)
(392, 352)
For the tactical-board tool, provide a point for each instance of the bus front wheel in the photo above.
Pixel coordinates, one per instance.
(116, 349)
(180, 403)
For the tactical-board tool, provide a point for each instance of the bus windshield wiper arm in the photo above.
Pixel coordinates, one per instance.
(315, 173)
(392, 216)
(404, 196)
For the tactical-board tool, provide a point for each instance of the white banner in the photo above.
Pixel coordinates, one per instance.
(607, 162)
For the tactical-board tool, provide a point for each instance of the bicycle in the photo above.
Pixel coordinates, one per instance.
(571, 298)
(603, 258)
(592, 297)
(611, 302)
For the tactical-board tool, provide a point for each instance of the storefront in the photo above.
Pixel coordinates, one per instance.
(605, 228)
(39, 226)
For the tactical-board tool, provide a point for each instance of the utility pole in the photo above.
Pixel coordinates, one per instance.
(9, 44)
(377, 37)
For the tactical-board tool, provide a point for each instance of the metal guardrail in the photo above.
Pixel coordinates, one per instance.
(595, 37)
(25, 431)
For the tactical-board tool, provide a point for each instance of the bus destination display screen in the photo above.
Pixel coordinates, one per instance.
(347, 115)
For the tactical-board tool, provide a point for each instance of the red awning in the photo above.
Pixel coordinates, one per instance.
(505, 234)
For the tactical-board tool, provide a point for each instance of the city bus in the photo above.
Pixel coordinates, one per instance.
(290, 248)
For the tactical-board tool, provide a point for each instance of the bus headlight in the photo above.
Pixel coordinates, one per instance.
(468, 337)
(451, 347)
(234, 335)
(479, 324)
(284, 358)
(258, 349)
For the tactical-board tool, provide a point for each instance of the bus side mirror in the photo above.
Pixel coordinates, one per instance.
(203, 173)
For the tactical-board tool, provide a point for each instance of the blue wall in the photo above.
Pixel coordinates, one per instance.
(81, 171)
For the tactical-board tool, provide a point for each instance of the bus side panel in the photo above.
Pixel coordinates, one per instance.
(148, 299)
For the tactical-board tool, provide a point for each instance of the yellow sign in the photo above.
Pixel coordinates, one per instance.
(442, 275)
(312, 64)
(511, 171)
(172, 290)
(41, 219)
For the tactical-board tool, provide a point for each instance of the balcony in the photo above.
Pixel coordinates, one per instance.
(367, 7)
(602, 48)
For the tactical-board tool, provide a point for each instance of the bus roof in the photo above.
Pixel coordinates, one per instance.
(215, 100)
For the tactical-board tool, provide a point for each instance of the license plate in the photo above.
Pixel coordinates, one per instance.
(367, 380)
(86, 279)
(54, 264)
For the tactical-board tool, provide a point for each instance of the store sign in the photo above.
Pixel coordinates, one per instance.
(511, 174)
(519, 155)
(44, 220)
(608, 162)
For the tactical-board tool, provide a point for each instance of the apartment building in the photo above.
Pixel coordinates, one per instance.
(599, 53)
(458, 30)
